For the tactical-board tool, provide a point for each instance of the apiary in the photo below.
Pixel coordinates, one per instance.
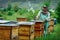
(38, 28)
(8, 31)
(21, 19)
(26, 31)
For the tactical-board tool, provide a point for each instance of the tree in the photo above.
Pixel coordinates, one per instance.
(57, 11)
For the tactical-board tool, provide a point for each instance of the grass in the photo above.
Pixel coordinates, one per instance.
(53, 35)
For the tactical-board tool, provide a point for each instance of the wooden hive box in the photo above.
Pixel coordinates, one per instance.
(51, 22)
(51, 26)
(21, 19)
(39, 25)
(8, 32)
(26, 29)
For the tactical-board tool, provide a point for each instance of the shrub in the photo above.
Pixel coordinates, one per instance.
(57, 11)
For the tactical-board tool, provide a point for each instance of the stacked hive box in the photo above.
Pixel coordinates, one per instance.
(21, 19)
(39, 28)
(51, 26)
(26, 31)
(8, 32)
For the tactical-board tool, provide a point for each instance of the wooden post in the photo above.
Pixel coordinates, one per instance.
(26, 31)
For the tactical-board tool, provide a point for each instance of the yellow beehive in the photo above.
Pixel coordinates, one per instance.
(51, 25)
(7, 32)
(51, 22)
(50, 29)
(26, 30)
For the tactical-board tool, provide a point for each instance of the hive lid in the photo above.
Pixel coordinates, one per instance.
(37, 21)
(7, 23)
(3, 21)
(25, 23)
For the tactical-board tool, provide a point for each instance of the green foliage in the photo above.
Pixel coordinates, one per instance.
(9, 13)
(53, 14)
(0, 15)
(9, 6)
(22, 11)
(4, 10)
(15, 7)
(47, 3)
(57, 11)
(30, 16)
(15, 11)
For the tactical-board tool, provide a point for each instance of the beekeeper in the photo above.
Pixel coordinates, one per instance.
(44, 15)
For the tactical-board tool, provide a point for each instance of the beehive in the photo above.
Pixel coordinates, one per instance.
(51, 26)
(26, 30)
(39, 28)
(21, 19)
(51, 22)
(8, 32)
